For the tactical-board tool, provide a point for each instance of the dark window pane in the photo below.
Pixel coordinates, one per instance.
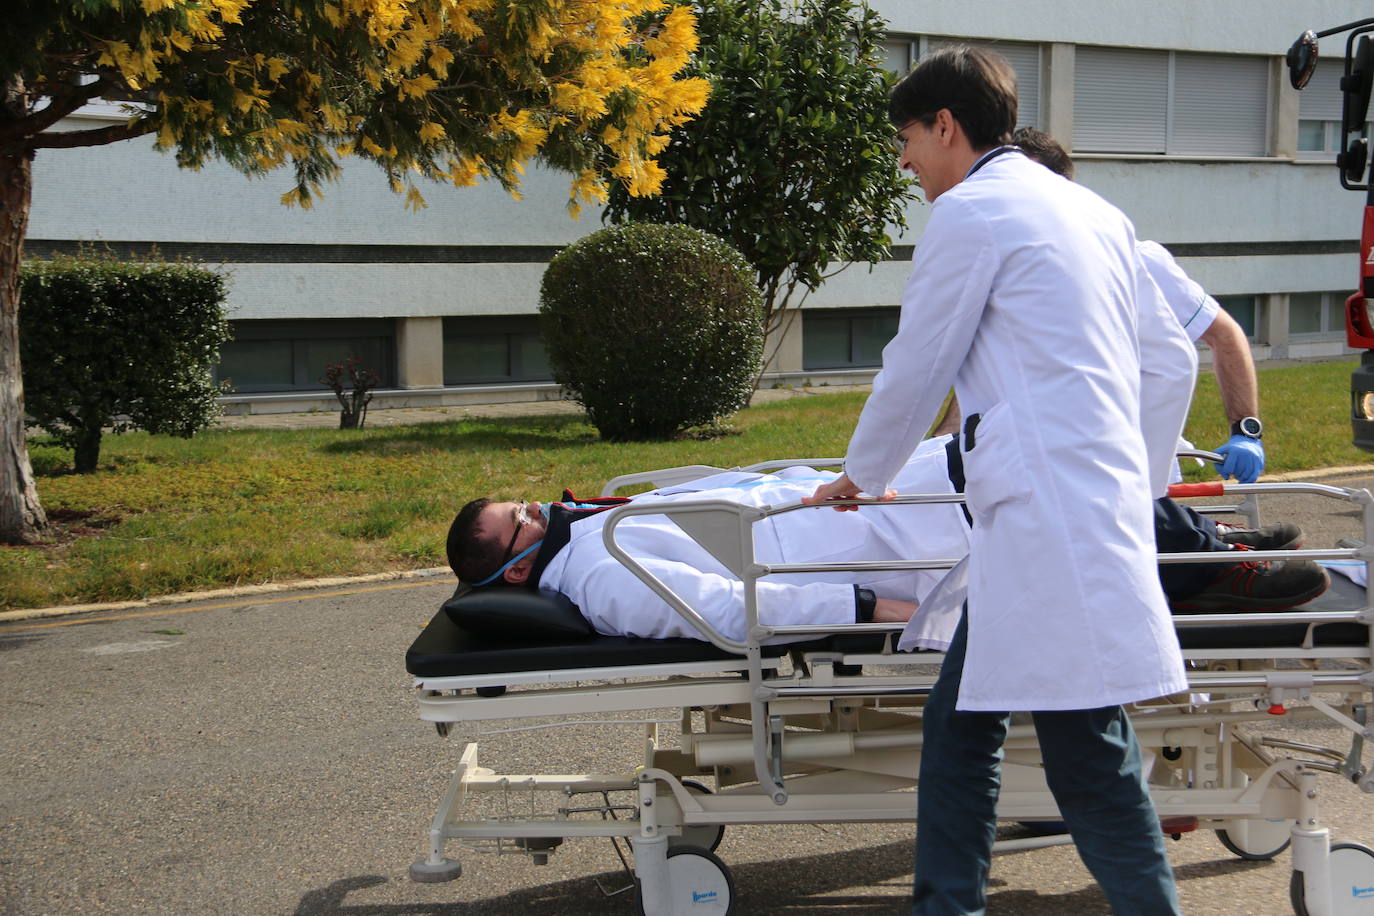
(497, 349)
(871, 334)
(1244, 310)
(1305, 313)
(479, 356)
(825, 342)
(1335, 313)
(256, 365)
(313, 356)
(529, 358)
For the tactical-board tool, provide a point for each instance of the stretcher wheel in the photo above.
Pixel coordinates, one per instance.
(705, 836)
(425, 872)
(700, 883)
(1352, 882)
(1256, 840)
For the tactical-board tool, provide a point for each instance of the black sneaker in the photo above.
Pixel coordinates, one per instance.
(1264, 585)
(1283, 536)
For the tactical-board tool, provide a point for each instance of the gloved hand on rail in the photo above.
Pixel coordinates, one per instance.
(1244, 459)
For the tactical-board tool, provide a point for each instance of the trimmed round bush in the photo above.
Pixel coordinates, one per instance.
(652, 329)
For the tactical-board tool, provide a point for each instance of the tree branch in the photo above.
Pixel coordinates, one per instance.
(70, 139)
(59, 106)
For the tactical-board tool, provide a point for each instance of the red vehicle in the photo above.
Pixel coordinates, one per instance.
(1352, 161)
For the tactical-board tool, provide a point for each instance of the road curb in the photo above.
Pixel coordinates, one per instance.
(214, 594)
(1350, 470)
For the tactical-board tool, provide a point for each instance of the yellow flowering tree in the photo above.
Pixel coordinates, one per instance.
(449, 91)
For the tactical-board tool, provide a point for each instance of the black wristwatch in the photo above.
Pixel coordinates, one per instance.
(865, 603)
(1250, 427)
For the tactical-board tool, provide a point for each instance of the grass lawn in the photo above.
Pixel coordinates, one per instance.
(243, 506)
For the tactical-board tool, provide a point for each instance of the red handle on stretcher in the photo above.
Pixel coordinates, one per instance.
(1180, 490)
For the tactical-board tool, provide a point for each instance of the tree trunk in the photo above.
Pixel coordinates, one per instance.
(22, 520)
(86, 457)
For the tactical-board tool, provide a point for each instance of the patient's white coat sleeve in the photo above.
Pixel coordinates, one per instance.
(616, 602)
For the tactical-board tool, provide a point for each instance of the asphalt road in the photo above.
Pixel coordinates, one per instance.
(263, 756)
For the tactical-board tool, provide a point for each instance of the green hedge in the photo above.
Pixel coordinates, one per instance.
(116, 345)
(652, 328)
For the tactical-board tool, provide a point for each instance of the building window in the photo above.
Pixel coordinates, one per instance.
(898, 54)
(846, 338)
(1024, 58)
(278, 355)
(486, 350)
(1246, 311)
(1319, 113)
(1315, 315)
(1128, 100)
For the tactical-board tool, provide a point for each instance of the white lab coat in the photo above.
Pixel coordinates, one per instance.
(1026, 294)
(1168, 373)
(617, 603)
(1190, 305)
(1194, 309)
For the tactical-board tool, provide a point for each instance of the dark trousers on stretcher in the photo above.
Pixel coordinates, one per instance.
(1182, 529)
(1092, 764)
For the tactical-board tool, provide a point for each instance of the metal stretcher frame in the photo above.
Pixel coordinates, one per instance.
(813, 738)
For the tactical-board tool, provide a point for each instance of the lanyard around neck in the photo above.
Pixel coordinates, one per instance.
(989, 156)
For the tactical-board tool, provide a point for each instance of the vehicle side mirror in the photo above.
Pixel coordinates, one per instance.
(1302, 59)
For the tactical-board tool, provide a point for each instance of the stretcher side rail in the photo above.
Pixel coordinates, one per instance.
(667, 477)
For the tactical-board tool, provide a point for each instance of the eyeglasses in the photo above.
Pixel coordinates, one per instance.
(898, 141)
(522, 518)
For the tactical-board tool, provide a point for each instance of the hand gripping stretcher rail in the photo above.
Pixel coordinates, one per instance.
(828, 729)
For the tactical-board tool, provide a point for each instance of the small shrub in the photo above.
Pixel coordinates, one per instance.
(652, 329)
(352, 385)
(116, 345)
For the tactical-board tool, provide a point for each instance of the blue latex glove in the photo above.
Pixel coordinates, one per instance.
(1244, 459)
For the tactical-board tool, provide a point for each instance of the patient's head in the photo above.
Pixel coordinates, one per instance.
(487, 536)
(1045, 150)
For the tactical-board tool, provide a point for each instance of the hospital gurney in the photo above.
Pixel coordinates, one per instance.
(828, 729)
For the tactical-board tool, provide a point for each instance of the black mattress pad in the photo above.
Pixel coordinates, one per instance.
(478, 645)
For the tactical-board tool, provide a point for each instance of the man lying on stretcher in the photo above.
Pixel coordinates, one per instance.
(559, 547)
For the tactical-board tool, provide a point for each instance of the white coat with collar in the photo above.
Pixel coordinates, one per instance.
(1027, 293)
(616, 603)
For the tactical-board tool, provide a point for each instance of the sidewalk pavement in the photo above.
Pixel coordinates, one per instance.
(406, 416)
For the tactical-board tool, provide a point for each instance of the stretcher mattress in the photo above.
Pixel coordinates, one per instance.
(447, 649)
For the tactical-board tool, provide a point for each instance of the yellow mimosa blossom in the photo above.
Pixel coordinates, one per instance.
(617, 82)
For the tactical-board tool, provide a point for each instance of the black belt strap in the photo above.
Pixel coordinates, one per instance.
(955, 463)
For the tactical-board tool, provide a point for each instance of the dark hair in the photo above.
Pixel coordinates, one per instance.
(976, 85)
(471, 556)
(1045, 150)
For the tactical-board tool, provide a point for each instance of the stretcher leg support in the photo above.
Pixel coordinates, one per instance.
(651, 868)
(1312, 849)
(435, 868)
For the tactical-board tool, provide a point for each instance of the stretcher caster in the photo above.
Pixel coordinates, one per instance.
(1352, 882)
(1256, 840)
(699, 884)
(426, 872)
(704, 836)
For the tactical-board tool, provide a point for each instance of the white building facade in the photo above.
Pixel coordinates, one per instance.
(1178, 111)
